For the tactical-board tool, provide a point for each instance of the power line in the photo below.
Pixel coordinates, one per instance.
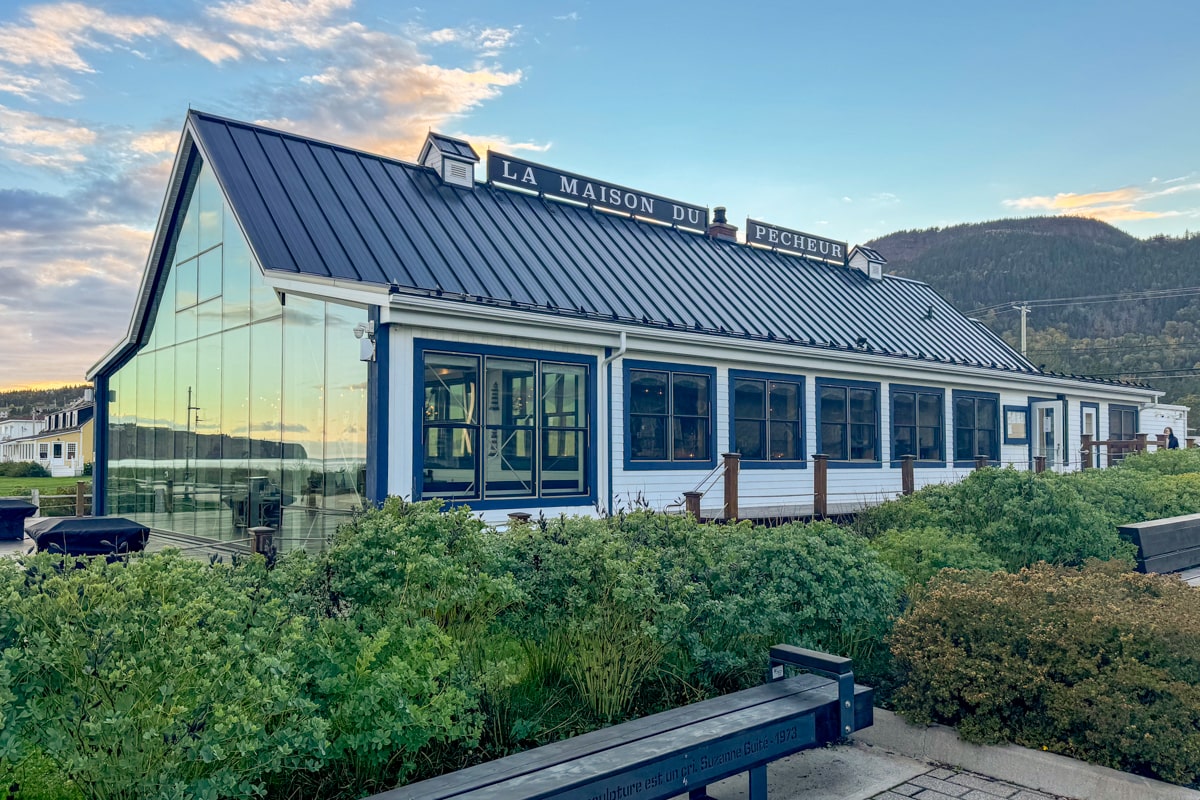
(1146, 294)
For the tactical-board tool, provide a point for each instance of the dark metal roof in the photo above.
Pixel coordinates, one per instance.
(319, 209)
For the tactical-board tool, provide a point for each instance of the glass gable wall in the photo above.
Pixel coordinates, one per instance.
(238, 411)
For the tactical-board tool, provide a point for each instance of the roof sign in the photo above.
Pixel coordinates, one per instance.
(789, 241)
(516, 173)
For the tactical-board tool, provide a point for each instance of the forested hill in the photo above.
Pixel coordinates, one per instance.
(1065, 266)
(21, 403)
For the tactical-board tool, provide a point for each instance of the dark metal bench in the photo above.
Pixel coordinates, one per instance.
(678, 751)
(1166, 545)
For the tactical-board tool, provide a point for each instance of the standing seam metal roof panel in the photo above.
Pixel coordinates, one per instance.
(325, 210)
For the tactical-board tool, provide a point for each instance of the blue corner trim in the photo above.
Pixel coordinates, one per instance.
(100, 446)
(378, 411)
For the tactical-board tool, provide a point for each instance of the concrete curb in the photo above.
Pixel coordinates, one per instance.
(1047, 772)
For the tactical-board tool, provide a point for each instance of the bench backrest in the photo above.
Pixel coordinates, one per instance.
(1166, 545)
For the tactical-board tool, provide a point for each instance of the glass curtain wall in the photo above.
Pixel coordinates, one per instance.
(238, 411)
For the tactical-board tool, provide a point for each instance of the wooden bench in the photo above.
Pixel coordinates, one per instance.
(1166, 545)
(678, 751)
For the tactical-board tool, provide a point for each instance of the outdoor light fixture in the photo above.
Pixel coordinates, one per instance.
(365, 333)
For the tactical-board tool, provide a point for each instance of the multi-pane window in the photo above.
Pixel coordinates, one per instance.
(43, 452)
(1122, 422)
(767, 419)
(848, 420)
(70, 451)
(670, 416)
(917, 423)
(497, 427)
(976, 426)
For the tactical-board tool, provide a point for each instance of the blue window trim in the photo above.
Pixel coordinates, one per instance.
(1137, 416)
(831, 463)
(421, 346)
(905, 387)
(1004, 420)
(662, 366)
(378, 392)
(993, 458)
(782, 377)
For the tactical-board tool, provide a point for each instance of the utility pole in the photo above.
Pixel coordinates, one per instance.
(1024, 309)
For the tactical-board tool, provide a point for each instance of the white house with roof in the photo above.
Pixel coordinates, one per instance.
(319, 327)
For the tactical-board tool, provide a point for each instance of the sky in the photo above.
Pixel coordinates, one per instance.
(848, 120)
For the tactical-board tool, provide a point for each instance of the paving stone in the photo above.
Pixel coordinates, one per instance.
(993, 788)
(938, 785)
(906, 789)
(889, 796)
(941, 774)
(932, 794)
(1027, 794)
(979, 794)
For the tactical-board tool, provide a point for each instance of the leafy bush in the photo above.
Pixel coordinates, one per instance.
(23, 469)
(162, 677)
(920, 553)
(1095, 663)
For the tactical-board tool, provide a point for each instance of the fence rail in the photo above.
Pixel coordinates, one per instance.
(78, 504)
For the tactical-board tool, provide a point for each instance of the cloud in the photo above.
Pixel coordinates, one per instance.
(1126, 204)
(571, 17)
(37, 140)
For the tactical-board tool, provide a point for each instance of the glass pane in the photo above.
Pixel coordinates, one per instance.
(929, 409)
(748, 438)
(985, 414)
(450, 462)
(303, 417)
(902, 441)
(648, 437)
(785, 441)
(164, 321)
(208, 317)
(833, 404)
(181, 490)
(1016, 424)
(647, 392)
(510, 392)
(862, 442)
(235, 421)
(185, 325)
(691, 439)
(904, 409)
(187, 242)
(209, 274)
(964, 413)
(931, 444)
(210, 208)
(564, 396)
(964, 444)
(207, 424)
(986, 441)
(690, 395)
(564, 456)
(345, 413)
(261, 490)
(862, 406)
(749, 400)
(833, 443)
(508, 467)
(785, 401)
(235, 274)
(185, 284)
(451, 388)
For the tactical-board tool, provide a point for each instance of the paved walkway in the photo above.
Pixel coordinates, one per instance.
(942, 784)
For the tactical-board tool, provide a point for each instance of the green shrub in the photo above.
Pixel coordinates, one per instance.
(160, 677)
(1095, 663)
(920, 553)
(23, 469)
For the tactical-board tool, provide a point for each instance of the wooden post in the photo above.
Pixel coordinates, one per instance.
(732, 464)
(908, 483)
(1141, 443)
(820, 485)
(691, 504)
(1039, 464)
(80, 507)
(981, 462)
(518, 517)
(35, 497)
(1085, 451)
(1160, 441)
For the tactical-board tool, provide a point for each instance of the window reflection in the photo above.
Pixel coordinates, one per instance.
(239, 412)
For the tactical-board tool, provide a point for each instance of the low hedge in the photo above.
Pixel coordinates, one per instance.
(1098, 663)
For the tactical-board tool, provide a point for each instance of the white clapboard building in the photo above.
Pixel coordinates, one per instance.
(320, 327)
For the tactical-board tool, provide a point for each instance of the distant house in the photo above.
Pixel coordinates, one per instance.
(319, 327)
(18, 428)
(64, 442)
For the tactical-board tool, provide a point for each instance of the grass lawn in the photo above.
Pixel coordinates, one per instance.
(19, 487)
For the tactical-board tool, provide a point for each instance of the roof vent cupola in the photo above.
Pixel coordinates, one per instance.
(867, 261)
(452, 159)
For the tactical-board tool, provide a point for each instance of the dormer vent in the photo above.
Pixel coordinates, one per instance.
(867, 261)
(452, 159)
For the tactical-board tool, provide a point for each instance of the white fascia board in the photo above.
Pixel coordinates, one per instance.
(319, 287)
(482, 318)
